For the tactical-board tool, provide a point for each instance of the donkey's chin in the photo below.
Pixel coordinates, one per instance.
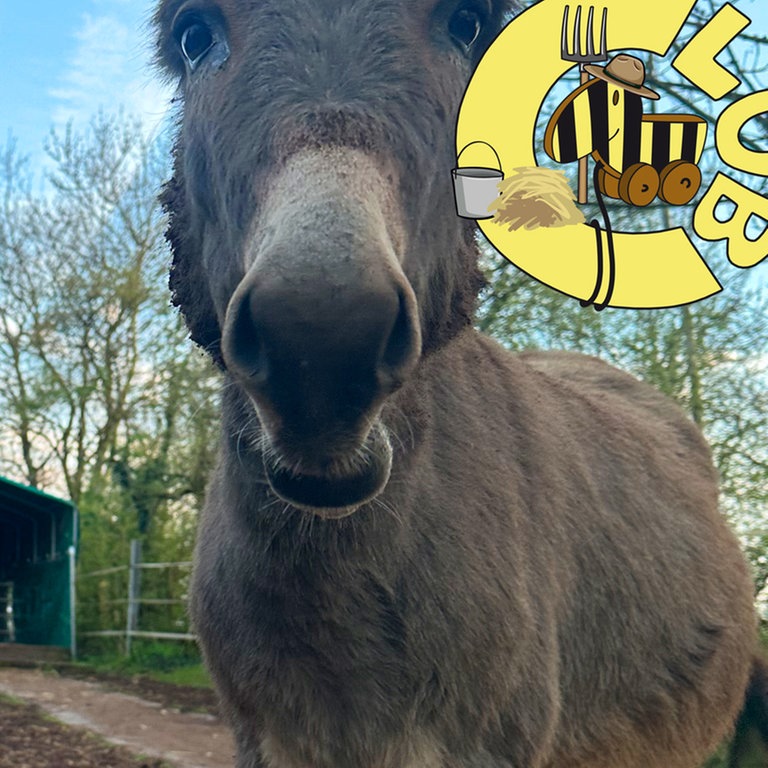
(342, 487)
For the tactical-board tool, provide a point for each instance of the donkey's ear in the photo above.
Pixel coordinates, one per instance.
(189, 286)
(503, 11)
(508, 9)
(513, 7)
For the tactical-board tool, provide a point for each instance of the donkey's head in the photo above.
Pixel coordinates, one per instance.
(317, 254)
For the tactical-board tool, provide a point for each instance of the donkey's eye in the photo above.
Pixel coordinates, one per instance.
(195, 40)
(465, 26)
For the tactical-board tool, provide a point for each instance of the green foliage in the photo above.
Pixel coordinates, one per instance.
(177, 663)
(161, 656)
(718, 760)
(195, 676)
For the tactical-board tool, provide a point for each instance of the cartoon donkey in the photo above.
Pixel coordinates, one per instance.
(639, 155)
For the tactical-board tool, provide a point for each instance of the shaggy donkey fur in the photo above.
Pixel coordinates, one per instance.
(418, 550)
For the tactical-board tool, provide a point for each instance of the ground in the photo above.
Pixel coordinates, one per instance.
(69, 717)
(30, 739)
(55, 720)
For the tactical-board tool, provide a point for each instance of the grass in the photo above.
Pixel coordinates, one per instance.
(6, 698)
(195, 676)
(164, 662)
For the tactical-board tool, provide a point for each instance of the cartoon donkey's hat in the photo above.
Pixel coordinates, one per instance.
(627, 72)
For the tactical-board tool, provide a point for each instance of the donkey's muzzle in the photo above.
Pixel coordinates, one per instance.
(322, 328)
(319, 355)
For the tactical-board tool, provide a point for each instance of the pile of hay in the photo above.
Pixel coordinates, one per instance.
(535, 197)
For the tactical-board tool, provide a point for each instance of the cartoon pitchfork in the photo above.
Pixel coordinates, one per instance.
(578, 55)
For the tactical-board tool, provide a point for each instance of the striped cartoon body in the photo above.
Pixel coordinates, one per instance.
(642, 155)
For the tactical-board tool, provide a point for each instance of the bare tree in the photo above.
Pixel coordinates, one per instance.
(100, 392)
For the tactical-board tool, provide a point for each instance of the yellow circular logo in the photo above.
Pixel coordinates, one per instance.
(623, 150)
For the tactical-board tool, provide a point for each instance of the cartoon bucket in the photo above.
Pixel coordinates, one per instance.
(475, 187)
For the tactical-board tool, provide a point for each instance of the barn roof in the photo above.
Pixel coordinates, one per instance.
(34, 525)
(16, 494)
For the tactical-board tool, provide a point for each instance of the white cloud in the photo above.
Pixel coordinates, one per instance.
(110, 69)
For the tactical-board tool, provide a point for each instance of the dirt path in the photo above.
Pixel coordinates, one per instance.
(186, 740)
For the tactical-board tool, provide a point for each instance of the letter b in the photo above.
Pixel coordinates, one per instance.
(742, 251)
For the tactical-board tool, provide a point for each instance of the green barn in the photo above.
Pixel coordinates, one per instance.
(38, 541)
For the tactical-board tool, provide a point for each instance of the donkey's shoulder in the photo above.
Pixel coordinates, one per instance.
(612, 390)
(592, 376)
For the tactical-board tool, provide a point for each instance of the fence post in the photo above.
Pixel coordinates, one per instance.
(71, 553)
(134, 591)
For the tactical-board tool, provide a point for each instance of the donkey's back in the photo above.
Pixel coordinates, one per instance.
(652, 569)
(582, 504)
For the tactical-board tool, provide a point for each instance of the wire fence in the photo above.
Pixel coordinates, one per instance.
(135, 601)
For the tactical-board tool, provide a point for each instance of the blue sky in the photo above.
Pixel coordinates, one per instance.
(65, 59)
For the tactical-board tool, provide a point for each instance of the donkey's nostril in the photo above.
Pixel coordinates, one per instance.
(244, 345)
(401, 347)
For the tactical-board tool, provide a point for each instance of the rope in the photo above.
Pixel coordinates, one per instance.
(611, 253)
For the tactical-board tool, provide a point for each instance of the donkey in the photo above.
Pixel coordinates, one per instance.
(418, 550)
